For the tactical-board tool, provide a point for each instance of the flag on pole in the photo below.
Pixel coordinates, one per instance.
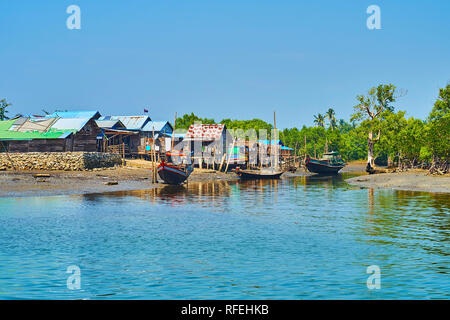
(145, 111)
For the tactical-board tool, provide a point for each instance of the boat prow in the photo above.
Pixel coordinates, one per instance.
(174, 174)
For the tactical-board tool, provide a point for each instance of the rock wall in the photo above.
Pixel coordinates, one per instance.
(69, 161)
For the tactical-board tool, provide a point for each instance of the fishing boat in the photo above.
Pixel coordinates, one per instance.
(172, 173)
(330, 163)
(265, 173)
(273, 172)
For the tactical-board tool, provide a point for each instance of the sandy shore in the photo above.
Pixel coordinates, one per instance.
(414, 180)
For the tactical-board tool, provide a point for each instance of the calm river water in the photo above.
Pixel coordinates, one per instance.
(296, 238)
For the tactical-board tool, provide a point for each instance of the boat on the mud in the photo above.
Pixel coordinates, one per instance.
(330, 163)
(272, 172)
(265, 173)
(174, 174)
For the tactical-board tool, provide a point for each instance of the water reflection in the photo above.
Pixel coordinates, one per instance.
(298, 237)
(419, 219)
(403, 219)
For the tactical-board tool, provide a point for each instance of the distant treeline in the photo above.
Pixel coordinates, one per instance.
(375, 130)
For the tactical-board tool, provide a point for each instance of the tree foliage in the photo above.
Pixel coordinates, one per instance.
(401, 138)
(3, 105)
(187, 120)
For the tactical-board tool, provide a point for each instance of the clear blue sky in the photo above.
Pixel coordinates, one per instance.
(221, 59)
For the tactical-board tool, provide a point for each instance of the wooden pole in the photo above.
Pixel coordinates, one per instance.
(173, 132)
(275, 153)
(154, 157)
(229, 156)
(221, 163)
(305, 146)
(123, 153)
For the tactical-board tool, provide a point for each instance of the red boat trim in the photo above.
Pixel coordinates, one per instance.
(171, 169)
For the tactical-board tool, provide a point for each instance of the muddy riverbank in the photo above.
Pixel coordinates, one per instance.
(136, 175)
(47, 183)
(414, 180)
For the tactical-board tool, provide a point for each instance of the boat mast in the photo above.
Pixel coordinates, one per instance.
(275, 141)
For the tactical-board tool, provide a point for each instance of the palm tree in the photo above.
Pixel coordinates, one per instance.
(319, 120)
(330, 114)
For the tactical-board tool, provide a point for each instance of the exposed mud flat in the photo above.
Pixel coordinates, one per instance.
(137, 175)
(414, 180)
(48, 183)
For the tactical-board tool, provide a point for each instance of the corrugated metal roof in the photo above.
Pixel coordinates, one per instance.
(157, 125)
(75, 114)
(51, 133)
(271, 142)
(177, 135)
(70, 123)
(31, 125)
(205, 131)
(109, 123)
(65, 135)
(130, 122)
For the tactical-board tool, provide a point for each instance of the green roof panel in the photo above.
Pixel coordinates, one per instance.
(6, 134)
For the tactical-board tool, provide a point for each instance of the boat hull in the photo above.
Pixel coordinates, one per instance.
(249, 175)
(173, 175)
(321, 167)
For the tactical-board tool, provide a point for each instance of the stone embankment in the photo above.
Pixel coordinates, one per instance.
(68, 161)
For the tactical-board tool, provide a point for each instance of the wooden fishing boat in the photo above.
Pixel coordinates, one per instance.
(266, 173)
(272, 172)
(330, 163)
(174, 174)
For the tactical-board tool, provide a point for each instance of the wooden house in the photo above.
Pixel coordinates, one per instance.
(133, 124)
(158, 131)
(207, 142)
(49, 134)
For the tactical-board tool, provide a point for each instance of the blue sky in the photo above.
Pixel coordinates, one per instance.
(221, 59)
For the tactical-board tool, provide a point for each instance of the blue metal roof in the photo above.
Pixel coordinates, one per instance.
(130, 122)
(271, 142)
(177, 135)
(109, 123)
(65, 135)
(70, 123)
(74, 114)
(158, 126)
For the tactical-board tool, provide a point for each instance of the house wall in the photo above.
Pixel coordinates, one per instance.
(86, 138)
(160, 142)
(37, 145)
(135, 142)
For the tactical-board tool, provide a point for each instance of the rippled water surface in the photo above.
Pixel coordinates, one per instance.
(296, 238)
